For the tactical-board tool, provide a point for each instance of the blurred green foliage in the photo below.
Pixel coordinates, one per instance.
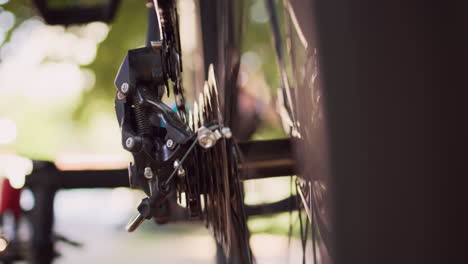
(128, 31)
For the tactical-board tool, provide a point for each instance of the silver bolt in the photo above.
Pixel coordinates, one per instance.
(206, 141)
(130, 142)
(148, 173)
(226, 132)
(217, 134)
(120, 95)
(181, 170)
(124, 87)
(206, 137)
(156, 44)
(170, 144)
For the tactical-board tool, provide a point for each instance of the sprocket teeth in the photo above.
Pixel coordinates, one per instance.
(195, 116)
(212, 81)
(213, 166)
(201, 106)
(207, 93)
(190, 120)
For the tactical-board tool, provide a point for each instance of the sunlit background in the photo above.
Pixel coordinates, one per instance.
(56, 88)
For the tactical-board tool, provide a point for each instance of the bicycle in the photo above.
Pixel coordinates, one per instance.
(208, 134)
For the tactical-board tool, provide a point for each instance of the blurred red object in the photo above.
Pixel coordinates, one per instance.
(10, 199)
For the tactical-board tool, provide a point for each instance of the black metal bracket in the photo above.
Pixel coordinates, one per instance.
(267, 158)
(76, 14)
(151, 130)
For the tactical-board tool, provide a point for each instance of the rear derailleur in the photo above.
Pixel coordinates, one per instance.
(154, 133)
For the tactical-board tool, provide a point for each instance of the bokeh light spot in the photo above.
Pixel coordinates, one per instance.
(7, 131)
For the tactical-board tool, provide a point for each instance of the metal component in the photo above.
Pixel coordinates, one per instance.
(148, 173)
(158, 19)
(170, 144)
(226, 131)
(266, 158)
(134, 223)
(176, 129)
(150, 187)
(124, 87)
(272, 208)
(3, 244)
(181, 172)
(44, 181)
(46, 175)
(305, 197)
(120, 95)
(130, 174)
(143, 124)
(206, 138)
(176, 163)
(179, 168)
(217, 134)
(76, 12)
(156, 44)
(151, 69)
(130, 142)
(168, 181)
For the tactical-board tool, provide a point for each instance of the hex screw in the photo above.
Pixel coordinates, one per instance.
(130, 142)
(120, 95)
(181, 170)
(148, 173)
(170, 143)
(124, 87)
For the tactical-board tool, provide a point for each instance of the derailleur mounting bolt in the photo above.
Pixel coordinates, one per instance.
(170, 143)
(124, 87)
(130, 142)
(120, 95)
(148, 173)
